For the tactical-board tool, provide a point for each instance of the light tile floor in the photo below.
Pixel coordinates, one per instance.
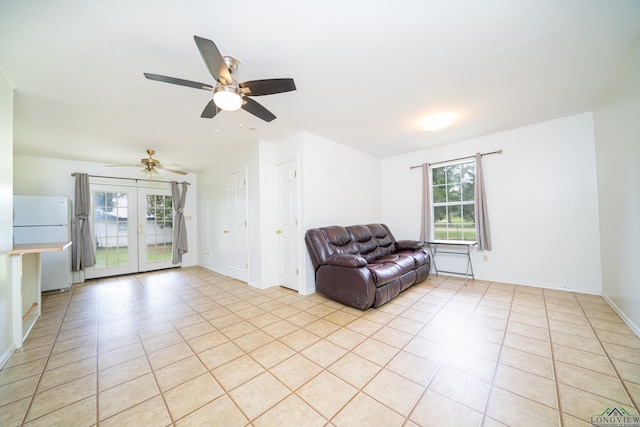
(188, 347)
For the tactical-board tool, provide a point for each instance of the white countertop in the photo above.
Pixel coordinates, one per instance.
(29, 248)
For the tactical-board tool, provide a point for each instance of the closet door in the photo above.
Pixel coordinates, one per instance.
(235, 232)
(287, 233)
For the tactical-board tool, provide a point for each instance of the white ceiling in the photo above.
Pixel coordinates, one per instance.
(366, 71)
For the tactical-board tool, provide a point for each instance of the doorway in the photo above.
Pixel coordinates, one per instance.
(132, 229)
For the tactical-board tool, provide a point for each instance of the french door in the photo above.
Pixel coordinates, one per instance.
(132, 229)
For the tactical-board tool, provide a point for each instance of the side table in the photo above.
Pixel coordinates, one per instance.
(454, 247)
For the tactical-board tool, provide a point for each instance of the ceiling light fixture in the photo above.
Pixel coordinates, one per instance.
(227, 98)
(437, 121)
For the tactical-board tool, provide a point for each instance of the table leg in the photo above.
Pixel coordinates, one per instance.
(434, 249)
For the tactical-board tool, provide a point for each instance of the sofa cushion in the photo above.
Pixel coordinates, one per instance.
(382, 235)
(406, 263)
(359, 233)
(364, 241)
(384, 273)
(420, 257)
(339, 240)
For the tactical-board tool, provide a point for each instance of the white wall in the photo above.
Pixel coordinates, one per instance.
(268, 214)
(39, 176)
(211, 196)
(340, 186)
(617, 134)
(6, 217)
(542, 197)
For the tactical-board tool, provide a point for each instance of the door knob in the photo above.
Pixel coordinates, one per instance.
(226, 231)
(278, 231)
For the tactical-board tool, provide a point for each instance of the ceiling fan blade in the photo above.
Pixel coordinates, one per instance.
(268, 86)
(172, 170)
(210, 110)
(213, 60)
(257, 110)
(176, 81)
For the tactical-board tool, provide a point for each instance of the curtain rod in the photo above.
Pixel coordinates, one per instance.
(459, 158)
(131, 179)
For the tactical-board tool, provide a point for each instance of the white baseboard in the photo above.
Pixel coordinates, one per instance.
(530, 284)
(4, 357)
(623, 316)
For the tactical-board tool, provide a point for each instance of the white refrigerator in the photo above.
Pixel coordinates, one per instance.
(45, 219)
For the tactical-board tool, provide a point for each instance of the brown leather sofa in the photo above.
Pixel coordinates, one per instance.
(364, 266)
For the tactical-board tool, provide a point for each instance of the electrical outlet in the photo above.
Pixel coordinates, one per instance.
(485, 258)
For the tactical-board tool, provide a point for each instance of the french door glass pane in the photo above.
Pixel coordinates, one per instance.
(159, 228)
(111, 229)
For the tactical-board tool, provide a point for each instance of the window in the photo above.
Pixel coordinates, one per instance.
(454, 201)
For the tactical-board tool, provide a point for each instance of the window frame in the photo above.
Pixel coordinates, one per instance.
(467, 232)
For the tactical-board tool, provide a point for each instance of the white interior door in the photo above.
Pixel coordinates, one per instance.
(287, 233)
(235, 232)
(132, 229)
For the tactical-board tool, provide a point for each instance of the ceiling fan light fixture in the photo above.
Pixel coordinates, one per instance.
(227, 98)
(149, 172)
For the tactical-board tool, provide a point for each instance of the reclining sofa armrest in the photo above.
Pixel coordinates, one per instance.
(346, 260)
(408, 245)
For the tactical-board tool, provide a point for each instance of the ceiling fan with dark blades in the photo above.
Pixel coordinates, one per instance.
(150, 165)
(228, 94)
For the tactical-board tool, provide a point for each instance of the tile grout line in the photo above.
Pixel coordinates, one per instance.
(291, 392)
(208, 371)
(70, 300)
(324, 369)
(96, 296)
(35, 390)
(72, 315)
(497, 363)
(361, 388)
(296, 352)
(444, 359)
(556, 386)
(407, 418)
(153, 371)
(609, 358)
(98, 420)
